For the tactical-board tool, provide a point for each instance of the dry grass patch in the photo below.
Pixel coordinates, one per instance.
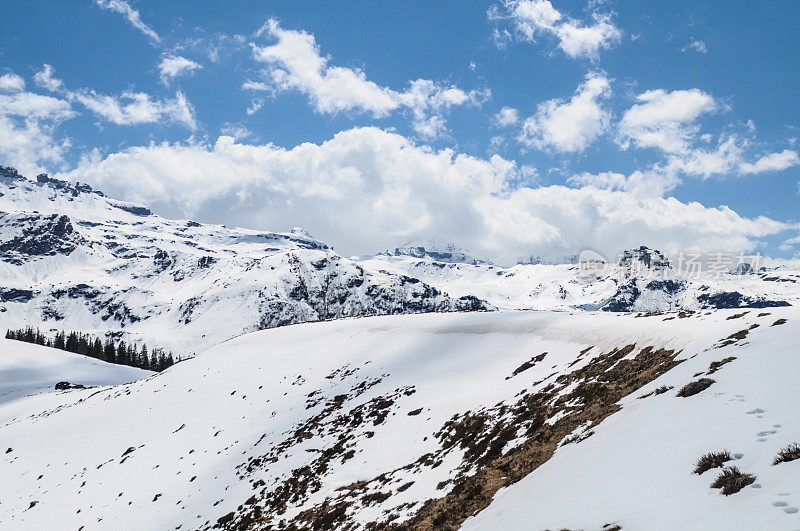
(692, 388)
(732, 480)
(790, 453)
(712, 460)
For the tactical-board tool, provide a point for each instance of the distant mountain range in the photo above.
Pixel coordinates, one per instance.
(73, 259)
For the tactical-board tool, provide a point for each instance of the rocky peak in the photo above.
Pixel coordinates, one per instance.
(644, 259)
(71, 188)
(437, 252)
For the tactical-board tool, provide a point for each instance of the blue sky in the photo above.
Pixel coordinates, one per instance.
(618, 117)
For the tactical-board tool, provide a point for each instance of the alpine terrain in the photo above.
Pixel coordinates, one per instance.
(578, 397)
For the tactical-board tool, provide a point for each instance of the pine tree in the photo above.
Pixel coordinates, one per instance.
(109, 352)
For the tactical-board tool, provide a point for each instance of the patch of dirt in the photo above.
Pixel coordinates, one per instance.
(527, 365)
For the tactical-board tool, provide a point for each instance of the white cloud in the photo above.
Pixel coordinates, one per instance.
(45, 79)
(11, 82)
(533, 17)
(569, 126)
(771, 162)
(131, 15)
(507, 117)
(134, 108)
(698, 46)
(129, 108)
(393, 190)
(664, 120)
(255, 106)
(27, 130)
(236, 131)
(726, 159)
(655, 181)
(257, 85)
(428, 101)
(30, 105)
(295, 62)
(172, 66)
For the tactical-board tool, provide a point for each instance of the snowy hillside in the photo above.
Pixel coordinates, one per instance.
(27, 370)
(418, 421)
(643, 280)
(73, 259)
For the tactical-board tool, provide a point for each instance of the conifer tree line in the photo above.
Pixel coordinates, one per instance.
(109, 350)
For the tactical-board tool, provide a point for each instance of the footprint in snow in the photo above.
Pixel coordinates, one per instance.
(785, 507)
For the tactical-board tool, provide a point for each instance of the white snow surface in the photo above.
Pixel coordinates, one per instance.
(635, 471)
(27, 370)
(170, 449)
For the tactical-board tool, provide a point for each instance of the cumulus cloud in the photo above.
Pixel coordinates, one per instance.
(294, 62)
(668, 122)
(27, 127)
(46, 79)
(172, 66)
(129, 108)
(507, 117)
(771, 162)
(728, 158)
(569, 126)
(11, 82)
(664, 120)
(367, 189)
(531, 18)
(131, 15)
(135, 108)
(655, 181)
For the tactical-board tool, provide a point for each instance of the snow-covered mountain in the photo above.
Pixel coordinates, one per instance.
(510, 420)
(642, 280)
(435, 251)
(73, 259)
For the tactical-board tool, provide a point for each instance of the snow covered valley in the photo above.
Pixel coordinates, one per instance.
(508, 419)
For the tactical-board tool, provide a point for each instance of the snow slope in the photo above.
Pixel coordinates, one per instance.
(418, 420)
(29, 373)
(636, 471)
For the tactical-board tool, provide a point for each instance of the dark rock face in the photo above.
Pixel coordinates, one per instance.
(644, 257)
(134, 209)
(10, 173)
(37, 235)
(62, 386)
(16, 295)
(734, 299)
(624, 299)
(65, 186)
